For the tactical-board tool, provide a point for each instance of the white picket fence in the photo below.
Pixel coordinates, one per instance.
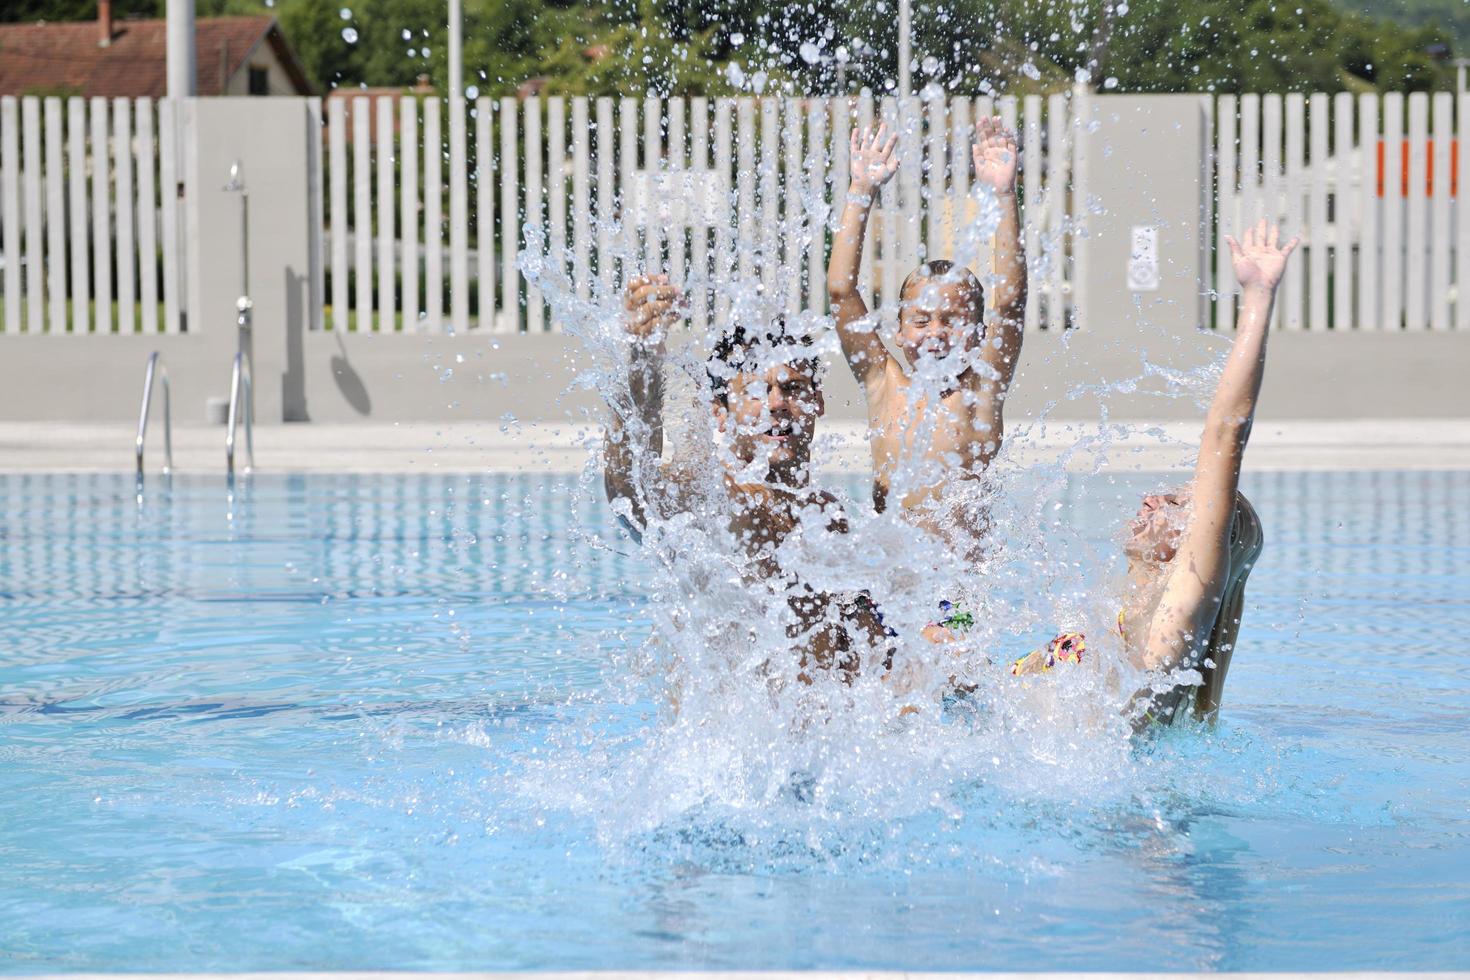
(425, 204)
(1377, 204)
(89, 223)
(642, 184)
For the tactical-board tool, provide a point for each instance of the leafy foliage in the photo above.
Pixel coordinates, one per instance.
(715, 47)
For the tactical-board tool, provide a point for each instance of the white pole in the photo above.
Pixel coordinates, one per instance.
(182, 72)
(904, 54)
(456, 53)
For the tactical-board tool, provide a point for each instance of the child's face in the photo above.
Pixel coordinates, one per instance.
(936, 318)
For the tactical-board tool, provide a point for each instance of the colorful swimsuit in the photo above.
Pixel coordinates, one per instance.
(1067, 648)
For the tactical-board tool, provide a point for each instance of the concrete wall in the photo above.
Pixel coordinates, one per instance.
(346, 378)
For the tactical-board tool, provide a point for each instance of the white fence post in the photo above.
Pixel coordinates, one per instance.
(510, 224)
(459, 225)
(147, 219)
(1058, 154)
(168, 177)
(408, 209)
(1439, 214)
(485, 214)
(533, 204)
(1370, 246)
(362, 218)
(1316, 230)
(581, 198)
(793, 249)
(1292, 215)
(433, 309)
(81, 269)
(606, 211)
(699, 228)
(1416, 227)
(55, 220)
(123, 208)
(723, 258)
(1034, 215)
(337, 215)
(387, 233)
(556, 187)
(101, 218)
(1226, 222)
(10, 209)
(35, 281)
(1392, 307)
(1345, 228)
(818, 177)
(1462, 218)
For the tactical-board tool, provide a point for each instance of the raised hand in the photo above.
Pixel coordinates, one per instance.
(652, 304)
(872, 158)
(996, 155)
(1259, 262)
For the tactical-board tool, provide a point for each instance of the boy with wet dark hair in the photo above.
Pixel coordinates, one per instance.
(941, 318)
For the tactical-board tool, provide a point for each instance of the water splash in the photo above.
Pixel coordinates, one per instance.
(715, 729)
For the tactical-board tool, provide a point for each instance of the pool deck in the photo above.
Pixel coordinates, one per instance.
(490, 447)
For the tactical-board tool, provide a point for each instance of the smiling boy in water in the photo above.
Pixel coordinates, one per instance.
(941, 325)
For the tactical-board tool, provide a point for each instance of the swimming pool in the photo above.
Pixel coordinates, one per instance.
(297, 727)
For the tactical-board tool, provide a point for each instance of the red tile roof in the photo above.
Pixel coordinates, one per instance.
(65, 58)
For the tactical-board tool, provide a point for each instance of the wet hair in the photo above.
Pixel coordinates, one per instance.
(945, 269)
(1246, 541)
(738, 350)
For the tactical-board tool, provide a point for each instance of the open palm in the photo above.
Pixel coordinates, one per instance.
(996, 154)
(1260, 261)
(873, 159)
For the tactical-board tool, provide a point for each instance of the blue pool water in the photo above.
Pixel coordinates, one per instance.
(307, 726)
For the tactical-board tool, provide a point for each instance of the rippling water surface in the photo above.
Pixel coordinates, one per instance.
(307, 726)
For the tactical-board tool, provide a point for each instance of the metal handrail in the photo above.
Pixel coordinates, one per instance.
(155, 366)
(240, 383)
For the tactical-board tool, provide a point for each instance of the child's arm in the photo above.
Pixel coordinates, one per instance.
(873, 165)
(996, 158)
(1198, 574)
(637, 440)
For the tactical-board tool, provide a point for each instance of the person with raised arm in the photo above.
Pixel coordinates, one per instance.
(941, 317)
(765, 399)
(1190, 550)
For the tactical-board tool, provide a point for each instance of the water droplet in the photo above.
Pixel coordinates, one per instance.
(407, 34)
(472, 93)
(345, 13)
(349, 34)
(810, 53)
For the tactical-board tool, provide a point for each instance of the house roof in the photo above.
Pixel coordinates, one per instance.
(65, 58)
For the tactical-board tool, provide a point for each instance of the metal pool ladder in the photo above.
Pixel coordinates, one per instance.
(155, 369)
(240, 392)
